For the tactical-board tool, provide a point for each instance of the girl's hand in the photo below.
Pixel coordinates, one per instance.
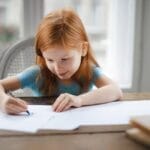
(12, 105)
(65, 101)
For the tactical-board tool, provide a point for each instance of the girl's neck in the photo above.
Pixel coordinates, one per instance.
(66, 81)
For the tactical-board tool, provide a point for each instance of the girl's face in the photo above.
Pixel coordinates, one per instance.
(63, 63)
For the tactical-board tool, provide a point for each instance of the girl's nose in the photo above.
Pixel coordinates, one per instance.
(58, 66)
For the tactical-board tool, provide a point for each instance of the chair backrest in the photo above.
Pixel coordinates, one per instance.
(17, 58)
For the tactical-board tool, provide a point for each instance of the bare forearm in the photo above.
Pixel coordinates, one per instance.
(2, 94)
(2, 91)
(104, 94)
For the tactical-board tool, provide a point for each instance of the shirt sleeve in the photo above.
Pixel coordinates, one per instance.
(28, 77)
(97, 73)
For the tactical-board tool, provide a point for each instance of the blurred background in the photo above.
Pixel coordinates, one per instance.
(118, 30)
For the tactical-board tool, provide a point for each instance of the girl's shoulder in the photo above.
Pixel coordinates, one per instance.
(35, 69)
(28, 76)
(96, 72)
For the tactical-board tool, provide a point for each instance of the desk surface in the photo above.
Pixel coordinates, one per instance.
(84, 138)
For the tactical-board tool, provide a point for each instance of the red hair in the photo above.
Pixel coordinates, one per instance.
(63, 27)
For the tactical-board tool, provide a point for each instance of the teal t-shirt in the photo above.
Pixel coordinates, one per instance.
(27, 79)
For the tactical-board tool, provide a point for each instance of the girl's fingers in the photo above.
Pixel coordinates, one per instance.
(15, 106)
(18, 102)
(13, 109)
(22, 103)
(67, 107)
(63, 104)
(58, 101)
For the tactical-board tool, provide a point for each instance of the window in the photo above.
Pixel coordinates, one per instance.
(121, 41)
(10, 22)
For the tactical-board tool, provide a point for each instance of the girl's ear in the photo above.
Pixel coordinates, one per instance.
(84, 48)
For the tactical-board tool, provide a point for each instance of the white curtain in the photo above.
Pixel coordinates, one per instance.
(121, 41)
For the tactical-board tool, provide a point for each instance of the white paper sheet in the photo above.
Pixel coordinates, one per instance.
(24, 122)
(114, 113)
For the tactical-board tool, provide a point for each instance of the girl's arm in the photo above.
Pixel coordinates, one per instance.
(107, 91)
(10, 83)
(6, 85)
(8, 103)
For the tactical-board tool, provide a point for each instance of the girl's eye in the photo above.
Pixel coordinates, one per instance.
(64, 59)
(50, 60)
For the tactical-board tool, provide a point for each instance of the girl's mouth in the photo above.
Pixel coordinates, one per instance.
(63, 74)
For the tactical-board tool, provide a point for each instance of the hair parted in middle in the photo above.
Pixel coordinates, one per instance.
(62, 27)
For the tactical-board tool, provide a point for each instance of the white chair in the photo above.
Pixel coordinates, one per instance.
(16, 58)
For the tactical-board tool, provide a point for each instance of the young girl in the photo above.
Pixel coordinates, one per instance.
(65, 67)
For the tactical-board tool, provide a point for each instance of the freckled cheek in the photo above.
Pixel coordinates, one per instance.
(75, 65)
(50, 66)
(67, 66)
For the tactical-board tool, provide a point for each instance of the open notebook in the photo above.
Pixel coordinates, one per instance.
(42, 117)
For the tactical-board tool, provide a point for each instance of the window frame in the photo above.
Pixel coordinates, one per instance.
(32, 15)
(137, 49)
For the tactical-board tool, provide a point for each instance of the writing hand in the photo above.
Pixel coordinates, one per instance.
(65, 101)
(13, 105)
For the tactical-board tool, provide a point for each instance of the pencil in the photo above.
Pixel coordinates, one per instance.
(28, 112)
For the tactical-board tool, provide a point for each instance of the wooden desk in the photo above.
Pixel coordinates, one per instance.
(95, 138)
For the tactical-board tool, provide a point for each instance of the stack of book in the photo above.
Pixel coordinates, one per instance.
(140, 130)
